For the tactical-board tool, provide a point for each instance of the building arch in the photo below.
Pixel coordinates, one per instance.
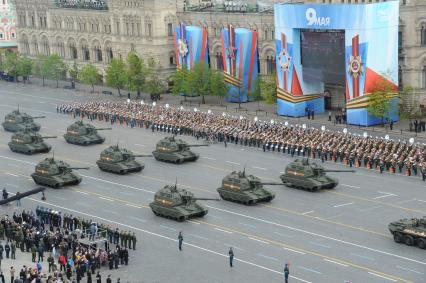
(25, 46)
(217, 62)
(84, 49)
(60, 46)
(34, 45)
(44, 45)
(109, 54)
(72, 48)
(97, 51)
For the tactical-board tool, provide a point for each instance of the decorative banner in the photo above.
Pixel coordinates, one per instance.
(369, 34)
(190, 46)
(7, 25)
(239, 53)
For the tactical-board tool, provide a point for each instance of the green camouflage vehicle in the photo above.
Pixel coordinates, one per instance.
(29, 142)
(119, 160)
(177, 204)
(301, 174)
(80, 133)
(55, 173)
(409, 231)
(17, 121)
(175, 150)
(246, 189)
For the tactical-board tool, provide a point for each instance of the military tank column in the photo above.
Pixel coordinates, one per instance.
(56, 173)
(19, 121)
(80, 133)
(305, 175)
(120, 160)
(29, 142)
(177, 204)
(171, 149)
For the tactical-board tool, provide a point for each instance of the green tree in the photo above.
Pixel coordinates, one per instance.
(41, 67)
(116, 74)
(218, 87)
(73, 71)
(11, 64)
(154, 86)
(180, 85)
(379, 100)
(89, 75)
(199, 81)
(137, 73)
(268, 89)
(256, 93)
(24, 67)
(57, 68)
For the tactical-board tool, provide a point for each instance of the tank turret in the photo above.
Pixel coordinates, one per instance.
(177, 204)
(246, 189)
(55, 173)
(409, 231)
(80, 133)
(20, 121)
(120, 160)
(175, 150)
(305, 175)
(29, 142)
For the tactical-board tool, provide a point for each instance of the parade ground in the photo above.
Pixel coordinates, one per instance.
(330, 236)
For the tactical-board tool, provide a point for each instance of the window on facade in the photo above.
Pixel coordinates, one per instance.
(399, 40)
(400, 77)
(1, 35)
(13, 35)
(61, 49)
(424, 77)
(98, 53)
(127, 28)
(110, 54)
(265, 35)
(272, 34)
(219, 61)
(149, 30)
(138, 27)
(133, 29)
(171, 60)
(270, 64)
(423, 35)
(86, 53)
(117, 27)
(73, 51)
(170, 29)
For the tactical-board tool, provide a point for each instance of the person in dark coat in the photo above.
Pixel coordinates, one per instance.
(286, 272)
(7, 249)
(109, 279)
(89, 277)
(180, 238)
(231, 256)
(98, 278)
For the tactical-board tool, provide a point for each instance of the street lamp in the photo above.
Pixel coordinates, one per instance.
(345, 131)
(128, 100)
(411, 140)
(181, 108)
(209, 111)
(241, 117)
(223, 114)
(256, 119)
(154, 103)
(272, 121)
(286, 123)
(167, 105)
(195, 109)
(322, 128)
(365, 134)
(304, 126)
(142, 102)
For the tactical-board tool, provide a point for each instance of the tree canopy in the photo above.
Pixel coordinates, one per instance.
(116, 74)
(89, 75)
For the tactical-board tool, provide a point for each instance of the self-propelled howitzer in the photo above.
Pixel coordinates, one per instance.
(120, 160)
(29, 142)
(80, 133)
(175, 150)
(177, 204)
(246, 189)
(55, 173)
(302, 174)
(19, 121)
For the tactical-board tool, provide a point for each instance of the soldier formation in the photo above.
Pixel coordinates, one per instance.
(372, 153)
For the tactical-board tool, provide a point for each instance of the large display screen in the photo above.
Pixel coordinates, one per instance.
(323, 56)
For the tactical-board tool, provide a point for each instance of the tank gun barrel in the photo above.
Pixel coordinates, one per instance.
(79, 168)
(270, 183)
(142, 155)
(22, 195)
(49, 137)
(38, 117)
(102, 129)
(330, 170)
(205, 199)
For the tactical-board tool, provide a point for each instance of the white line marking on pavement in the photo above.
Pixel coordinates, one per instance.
(254, 239)
(167, 227)
(307, 212)
(167, 238)
(318, 235)
(137, 219)
(268, 257)
(364, 257)
(223, 230)
(231, 162)
(308, 269)
(12, 185)
(108, 199)
(131, 205)
(84, 193)
(197, 236)
(139, 144)
(407, 269)
(350, 186)
(18, 160)
(209, 158)
(338, 263)
(381, 276)
(343, 204)
(248, 225)
(320, 245)
(193, 222)
(283, 235)
(421, 200)
(291, 250)
(10, 174)
(384, 196)
(387, 193)
(260, 168)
